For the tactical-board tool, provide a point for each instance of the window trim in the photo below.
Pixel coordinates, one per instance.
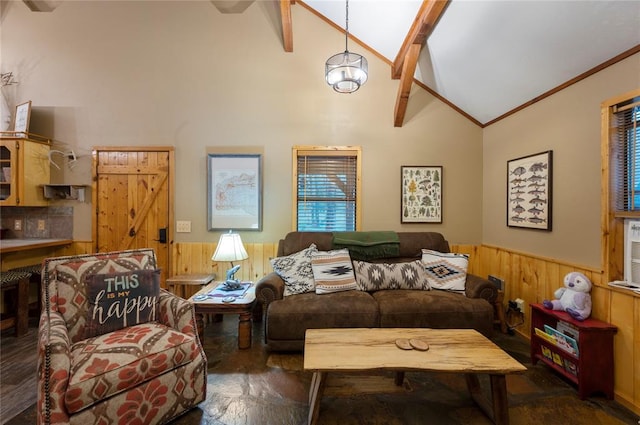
(302, 150)
(611, 222)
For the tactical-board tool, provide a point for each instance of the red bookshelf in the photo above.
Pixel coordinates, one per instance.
(592, 369)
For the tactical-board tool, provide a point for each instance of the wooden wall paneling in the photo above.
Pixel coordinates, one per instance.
(634, 361)
(623, 346)
(195, 258)
(601, 303)
(474, 257)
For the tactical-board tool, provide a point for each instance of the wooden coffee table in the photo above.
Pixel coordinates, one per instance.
(450, 350)
(242, 306)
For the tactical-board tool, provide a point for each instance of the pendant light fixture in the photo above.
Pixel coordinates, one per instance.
(346, 71)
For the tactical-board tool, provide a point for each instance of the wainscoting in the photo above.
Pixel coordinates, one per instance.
(532, 278)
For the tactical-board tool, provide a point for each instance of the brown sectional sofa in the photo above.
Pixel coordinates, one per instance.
(287, 319)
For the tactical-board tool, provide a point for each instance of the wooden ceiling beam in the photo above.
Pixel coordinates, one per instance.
(423, 25)
(406, 80)
(404, 66)
(287, 26)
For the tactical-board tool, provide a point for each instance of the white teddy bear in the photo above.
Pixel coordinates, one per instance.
(574, 298)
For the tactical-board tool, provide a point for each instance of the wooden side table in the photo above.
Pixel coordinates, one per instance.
(498, 313)
(185, 285)
(242, 306)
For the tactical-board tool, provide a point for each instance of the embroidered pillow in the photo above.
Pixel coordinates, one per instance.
(119, 300)
(295, 270)
(446, 271)
(377, 276)
(332, 271)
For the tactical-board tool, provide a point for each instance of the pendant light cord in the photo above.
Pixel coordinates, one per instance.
(346, 28)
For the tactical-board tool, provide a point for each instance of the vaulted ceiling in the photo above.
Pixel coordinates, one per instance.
(487, 59)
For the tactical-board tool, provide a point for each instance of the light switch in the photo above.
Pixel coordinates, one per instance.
(183, 226)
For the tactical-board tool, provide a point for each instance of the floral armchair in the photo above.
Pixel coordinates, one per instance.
(148, 370)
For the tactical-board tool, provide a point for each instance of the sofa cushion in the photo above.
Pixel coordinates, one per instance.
(433, 309)
(289, 318)
(295, 270)
(378, 276)
(118, 300)
(332, 271)
(446, 270)
(109, 364)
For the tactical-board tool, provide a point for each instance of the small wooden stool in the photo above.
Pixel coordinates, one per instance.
(36, 278)
(17, 281)
(185, 285)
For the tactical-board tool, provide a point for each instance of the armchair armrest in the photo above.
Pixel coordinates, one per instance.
(269, 288)
(54, 368)
(477, 287)
(176, 313)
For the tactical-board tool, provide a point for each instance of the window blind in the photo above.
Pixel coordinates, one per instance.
(326, 192)
(627, 151)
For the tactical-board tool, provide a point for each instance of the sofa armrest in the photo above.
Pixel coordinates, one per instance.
(54, 368)
(177, 313)
(268, 289)
(477, 287)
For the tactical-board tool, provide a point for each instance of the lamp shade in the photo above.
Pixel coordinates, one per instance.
(346, 71)
(230, 248)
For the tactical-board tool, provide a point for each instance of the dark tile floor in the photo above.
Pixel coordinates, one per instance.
(257, 387)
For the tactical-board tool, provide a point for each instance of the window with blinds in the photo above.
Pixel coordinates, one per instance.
(327, 189)
(626, 144)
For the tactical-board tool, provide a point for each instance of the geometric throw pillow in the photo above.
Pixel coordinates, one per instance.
(295, 270)
(446, 270)
(377, 276)
(332, 271)
(119, 300)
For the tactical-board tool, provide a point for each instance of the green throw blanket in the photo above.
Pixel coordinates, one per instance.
(368, 245)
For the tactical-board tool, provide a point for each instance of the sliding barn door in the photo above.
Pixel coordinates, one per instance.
(133, 195)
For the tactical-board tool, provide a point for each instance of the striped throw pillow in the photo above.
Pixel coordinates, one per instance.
(332, 271)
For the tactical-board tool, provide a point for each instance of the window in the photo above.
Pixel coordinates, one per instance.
(626, 145)
(327, 188)
(620, 190)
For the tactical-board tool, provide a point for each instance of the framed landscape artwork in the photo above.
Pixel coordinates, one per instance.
(234, 189)
(421, 197)
(529, 186)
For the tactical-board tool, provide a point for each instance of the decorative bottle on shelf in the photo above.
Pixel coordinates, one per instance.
(6, 79)
(5, 113)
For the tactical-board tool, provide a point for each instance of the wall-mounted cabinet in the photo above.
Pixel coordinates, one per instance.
(24, 168)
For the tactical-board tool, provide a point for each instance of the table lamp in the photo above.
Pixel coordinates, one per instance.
(230, 249)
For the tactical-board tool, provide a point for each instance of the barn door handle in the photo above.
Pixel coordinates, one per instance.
(162, 235)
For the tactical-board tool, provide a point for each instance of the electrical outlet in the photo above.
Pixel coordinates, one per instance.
(40, 224)
(17, 225)
(520, 304)
(183, 226)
